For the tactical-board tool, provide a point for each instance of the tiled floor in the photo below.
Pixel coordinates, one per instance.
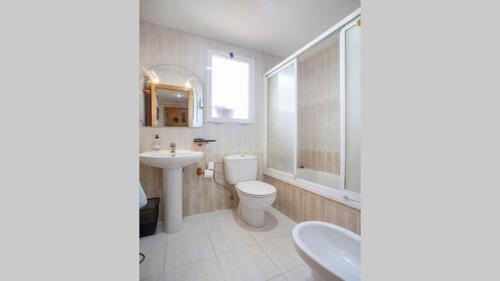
(218, 246)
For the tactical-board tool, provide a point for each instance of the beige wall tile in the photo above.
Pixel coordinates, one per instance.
(189, 176)
(301, 205)
(191, 197)
(152, 182)
(314, 207)
(342, 215)
(294, 203)
(279, 203)
(163, 45)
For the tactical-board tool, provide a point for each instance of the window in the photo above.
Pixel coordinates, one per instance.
(230, 88)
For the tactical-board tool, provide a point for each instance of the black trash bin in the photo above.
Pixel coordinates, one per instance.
(148, 219)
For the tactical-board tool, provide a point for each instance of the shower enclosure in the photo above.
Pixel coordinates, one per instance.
(314, 114)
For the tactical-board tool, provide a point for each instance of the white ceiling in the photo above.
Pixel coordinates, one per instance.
(278, 27)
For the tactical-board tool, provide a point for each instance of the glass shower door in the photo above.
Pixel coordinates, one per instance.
(318, 114)
(281, 116)
(314, 115)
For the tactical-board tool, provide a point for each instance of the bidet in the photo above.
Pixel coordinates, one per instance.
(331, 251)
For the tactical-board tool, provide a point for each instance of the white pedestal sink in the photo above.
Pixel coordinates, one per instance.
(172, 182)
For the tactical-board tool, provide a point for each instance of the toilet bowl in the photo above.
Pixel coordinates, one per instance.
(255, 196)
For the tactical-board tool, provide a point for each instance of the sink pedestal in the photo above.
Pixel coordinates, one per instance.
(172, 200)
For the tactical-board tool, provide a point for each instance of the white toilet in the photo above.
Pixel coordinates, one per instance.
(255, 196)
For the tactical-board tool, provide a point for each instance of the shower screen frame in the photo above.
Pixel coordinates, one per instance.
(350, 195)
(268, 75)
(340, 194)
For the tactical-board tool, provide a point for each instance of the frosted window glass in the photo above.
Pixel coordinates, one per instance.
(353, 108)
(230, 88)
(281, 120)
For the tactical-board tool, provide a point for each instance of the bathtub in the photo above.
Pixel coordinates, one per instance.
(319, 177)
(321, 183)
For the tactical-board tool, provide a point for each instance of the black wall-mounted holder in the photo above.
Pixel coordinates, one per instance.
(202, 141)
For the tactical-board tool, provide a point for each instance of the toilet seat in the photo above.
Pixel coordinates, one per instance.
(255, 189)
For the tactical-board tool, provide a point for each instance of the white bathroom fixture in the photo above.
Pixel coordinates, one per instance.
(172, 164)
(255, 196)
(331, 251)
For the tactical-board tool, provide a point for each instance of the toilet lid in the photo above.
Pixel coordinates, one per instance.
(256, 188)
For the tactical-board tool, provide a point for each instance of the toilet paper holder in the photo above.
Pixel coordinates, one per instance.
(210, 168)
(199, 171)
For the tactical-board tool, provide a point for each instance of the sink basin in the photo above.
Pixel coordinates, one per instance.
(172, 182)
(166, 160)
(331, 251)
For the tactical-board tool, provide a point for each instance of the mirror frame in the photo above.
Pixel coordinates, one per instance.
(154, 101)
(151, 82)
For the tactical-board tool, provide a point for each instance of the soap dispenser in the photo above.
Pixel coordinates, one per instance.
(156, 145)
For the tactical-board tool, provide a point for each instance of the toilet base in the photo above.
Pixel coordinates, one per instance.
(253, 217)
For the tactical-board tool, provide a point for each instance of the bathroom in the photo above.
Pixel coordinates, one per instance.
(241, 141)
(249, 140)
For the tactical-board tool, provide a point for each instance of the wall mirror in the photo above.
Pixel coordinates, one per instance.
(172, 97)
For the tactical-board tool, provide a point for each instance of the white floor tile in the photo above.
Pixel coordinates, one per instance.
(278, 278)
(203, 270)
(275, 226)
(282, 252)
(229, 237)
(302, 273)
(156, 277)
(280, 215)
(247, 264)
(153, 241)
(154, 261)
(187, 249)
(221, 218)
(196, 224)
(189, 254)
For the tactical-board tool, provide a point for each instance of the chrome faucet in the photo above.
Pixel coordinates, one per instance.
(172, 147)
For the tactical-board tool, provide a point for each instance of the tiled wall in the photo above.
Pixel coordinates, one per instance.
(301, 205)
(163, 45)
(200, 194)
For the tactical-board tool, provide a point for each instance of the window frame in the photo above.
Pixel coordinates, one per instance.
(251, 90)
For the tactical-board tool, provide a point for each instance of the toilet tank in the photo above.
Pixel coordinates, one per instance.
(240, 168)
